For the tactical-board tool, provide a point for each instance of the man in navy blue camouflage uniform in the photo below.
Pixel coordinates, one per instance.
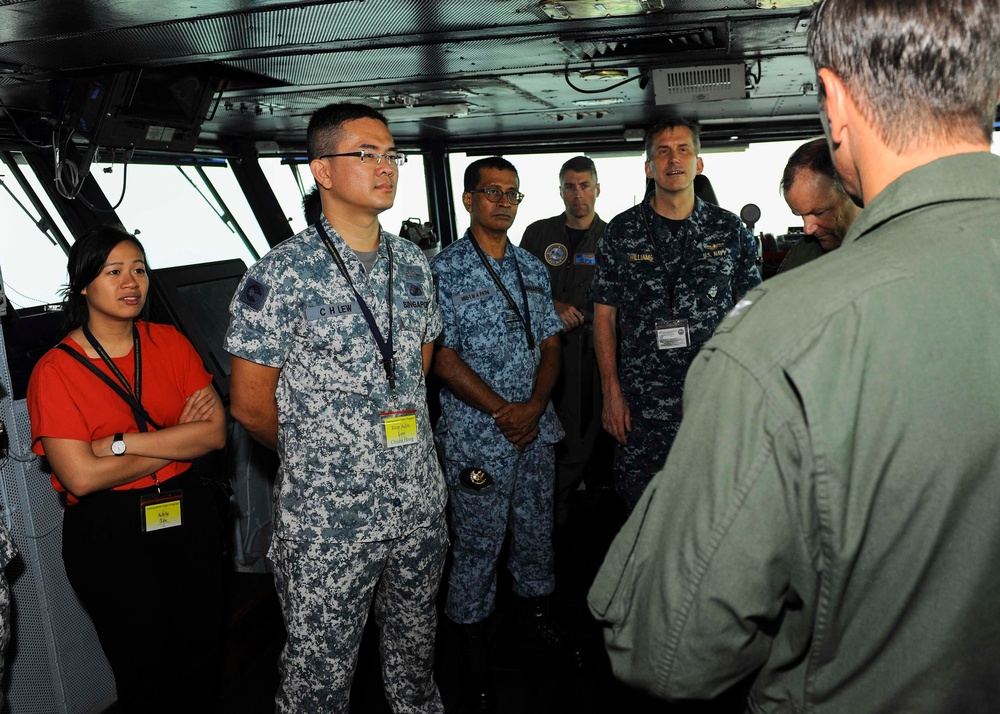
(332, 333)
(668, 270)
(498, 357)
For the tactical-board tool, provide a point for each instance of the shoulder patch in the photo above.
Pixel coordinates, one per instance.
(253, 294)
(740, 309)
(556, 254)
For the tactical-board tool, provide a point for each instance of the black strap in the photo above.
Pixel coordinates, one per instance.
(384, 345)
(526, 318)
(142, 418)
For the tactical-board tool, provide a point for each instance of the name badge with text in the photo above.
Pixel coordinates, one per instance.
(672, 335)
(162, 510)
(399, 428)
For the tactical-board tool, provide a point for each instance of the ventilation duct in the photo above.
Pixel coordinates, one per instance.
(678, 85)
(648, 45)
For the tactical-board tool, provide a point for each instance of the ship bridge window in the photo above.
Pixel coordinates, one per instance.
(32, 258)
(184, 214)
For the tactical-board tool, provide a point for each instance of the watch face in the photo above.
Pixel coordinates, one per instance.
(118, 447)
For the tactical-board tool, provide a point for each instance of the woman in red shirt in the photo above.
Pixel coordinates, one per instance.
(120, 408)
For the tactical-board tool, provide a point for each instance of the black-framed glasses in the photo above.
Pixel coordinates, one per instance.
(397, 159)
(493, 195)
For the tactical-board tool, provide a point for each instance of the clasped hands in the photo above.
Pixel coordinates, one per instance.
(518, 422)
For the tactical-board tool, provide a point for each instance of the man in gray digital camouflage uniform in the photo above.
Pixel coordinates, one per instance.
(7, 553)
(668, 270)
(332, 334)
(498, 357)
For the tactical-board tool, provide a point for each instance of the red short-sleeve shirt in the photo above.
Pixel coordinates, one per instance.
(67, 401)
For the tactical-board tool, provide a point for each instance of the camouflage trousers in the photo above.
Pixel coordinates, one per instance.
(520, 498)
(642, 457)
(4, 625)
(326, 590)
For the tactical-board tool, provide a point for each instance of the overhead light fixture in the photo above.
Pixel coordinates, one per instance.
(583, 9)
(426, 111)
(599, 102)
(604, 74)
(782, 4)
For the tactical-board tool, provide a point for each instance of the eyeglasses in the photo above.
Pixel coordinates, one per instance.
(493, 195)
(395, 159)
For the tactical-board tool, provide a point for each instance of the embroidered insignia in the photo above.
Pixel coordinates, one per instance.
(253, 294)
(556, 254)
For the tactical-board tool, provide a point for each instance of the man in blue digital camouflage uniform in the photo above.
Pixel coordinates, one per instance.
(667, 271)
(332, 334)
(498, 357)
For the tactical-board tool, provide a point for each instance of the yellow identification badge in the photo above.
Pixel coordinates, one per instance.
(400, 428)
(164, 510)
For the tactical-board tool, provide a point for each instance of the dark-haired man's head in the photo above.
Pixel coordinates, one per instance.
(352, 158)
(485, 180)
(326, 126)
(579, 188)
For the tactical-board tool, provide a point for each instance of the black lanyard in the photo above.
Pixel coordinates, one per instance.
(526, 318)
(136, 355)
(384, 346)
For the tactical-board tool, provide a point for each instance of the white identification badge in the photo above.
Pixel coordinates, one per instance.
(399, 428)
(672, 335)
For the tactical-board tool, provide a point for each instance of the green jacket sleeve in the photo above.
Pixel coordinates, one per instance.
(695, 583)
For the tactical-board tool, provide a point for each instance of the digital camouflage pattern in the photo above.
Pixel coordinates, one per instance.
(638, 460)
(7, 553)
(351, 515)
(294, 310)
(520, 497)
(481, 327)
(326, 589)
(694, 276)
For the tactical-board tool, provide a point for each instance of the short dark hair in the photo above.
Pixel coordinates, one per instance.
(325, 126)
(580, 164)
(474, 170)
(815, 156)
(917, 70)
(312, 205)
(87, 258)
(672, 123)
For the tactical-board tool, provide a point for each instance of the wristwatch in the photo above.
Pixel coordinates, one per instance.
(118, 445)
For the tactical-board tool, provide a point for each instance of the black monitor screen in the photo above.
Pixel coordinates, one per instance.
(195, 298)
(28, 334)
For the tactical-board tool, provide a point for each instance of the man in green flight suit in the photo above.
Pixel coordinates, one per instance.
(825, 526)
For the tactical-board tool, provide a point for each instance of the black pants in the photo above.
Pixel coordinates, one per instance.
(156, 599)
